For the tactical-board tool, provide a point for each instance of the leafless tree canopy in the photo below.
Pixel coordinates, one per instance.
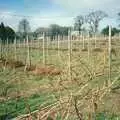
(119, 17)
(79, 21)
(94, 18)
(24, 26)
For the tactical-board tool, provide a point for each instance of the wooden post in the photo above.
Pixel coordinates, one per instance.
(58, 45)
(110, 29)
(31, 43)
(119, 35)
(83, 38)
(0, 47)
(28, 62)
(71, 41)
(38, 44)
(15, 49)
(47, 47)
(7, 51)
(43, 49)
(19, 43)
(88, 39)
(95, 41)
(24, 43)
(69, 52)
(56, 41)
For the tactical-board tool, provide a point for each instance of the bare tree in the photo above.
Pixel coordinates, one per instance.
(94, 18)
(119, 17)
(24, 27)
(79, 21)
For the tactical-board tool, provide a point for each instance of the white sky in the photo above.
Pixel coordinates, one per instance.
(66, 13)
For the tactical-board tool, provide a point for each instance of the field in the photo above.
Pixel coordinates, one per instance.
(61, 80)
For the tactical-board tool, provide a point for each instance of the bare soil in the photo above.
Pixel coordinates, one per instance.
(44, 70)
(10, 63)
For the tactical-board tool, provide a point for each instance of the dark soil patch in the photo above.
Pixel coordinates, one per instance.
(11, 63)
(75, 50)
(113, 43)
(56, 49)
(64, 49)
(31, 68)
(104, 43)
(97, 50)
(84, 50)
(114, 51)
(44, 70)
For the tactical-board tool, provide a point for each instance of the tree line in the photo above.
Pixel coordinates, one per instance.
(6, 33)
(89, 23)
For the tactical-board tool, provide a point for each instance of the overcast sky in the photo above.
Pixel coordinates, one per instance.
(45, 12)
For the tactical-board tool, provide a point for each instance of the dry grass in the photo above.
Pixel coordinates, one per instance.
(79, 96)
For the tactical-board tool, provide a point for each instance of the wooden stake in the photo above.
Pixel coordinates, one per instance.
(83, 42)
(43, 49)
(95, 41)
(15, 49)
(38, 44)
(69, 52)
(24, 43)
(7, 51)
(88, 46)
(31, 43)
(47, 44)
(28, 62)
(58, 45)
(0, 47)
(110, 28)
(119, 36)
(19, 43)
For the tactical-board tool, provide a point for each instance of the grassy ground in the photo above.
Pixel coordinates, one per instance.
(22, 92)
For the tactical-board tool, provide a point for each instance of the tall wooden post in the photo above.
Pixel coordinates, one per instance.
(88, 39)
(47, 47)
(43, 48)
(31, 43)
(24, 43)
(19, 43)
(7, 51)
(58, 45)
(28, 62)
(119, 36)
(0, 47)
(110, 38)
(69, 52)
(28, 46)
(95, 41)
(15, 49)
(83, 38)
